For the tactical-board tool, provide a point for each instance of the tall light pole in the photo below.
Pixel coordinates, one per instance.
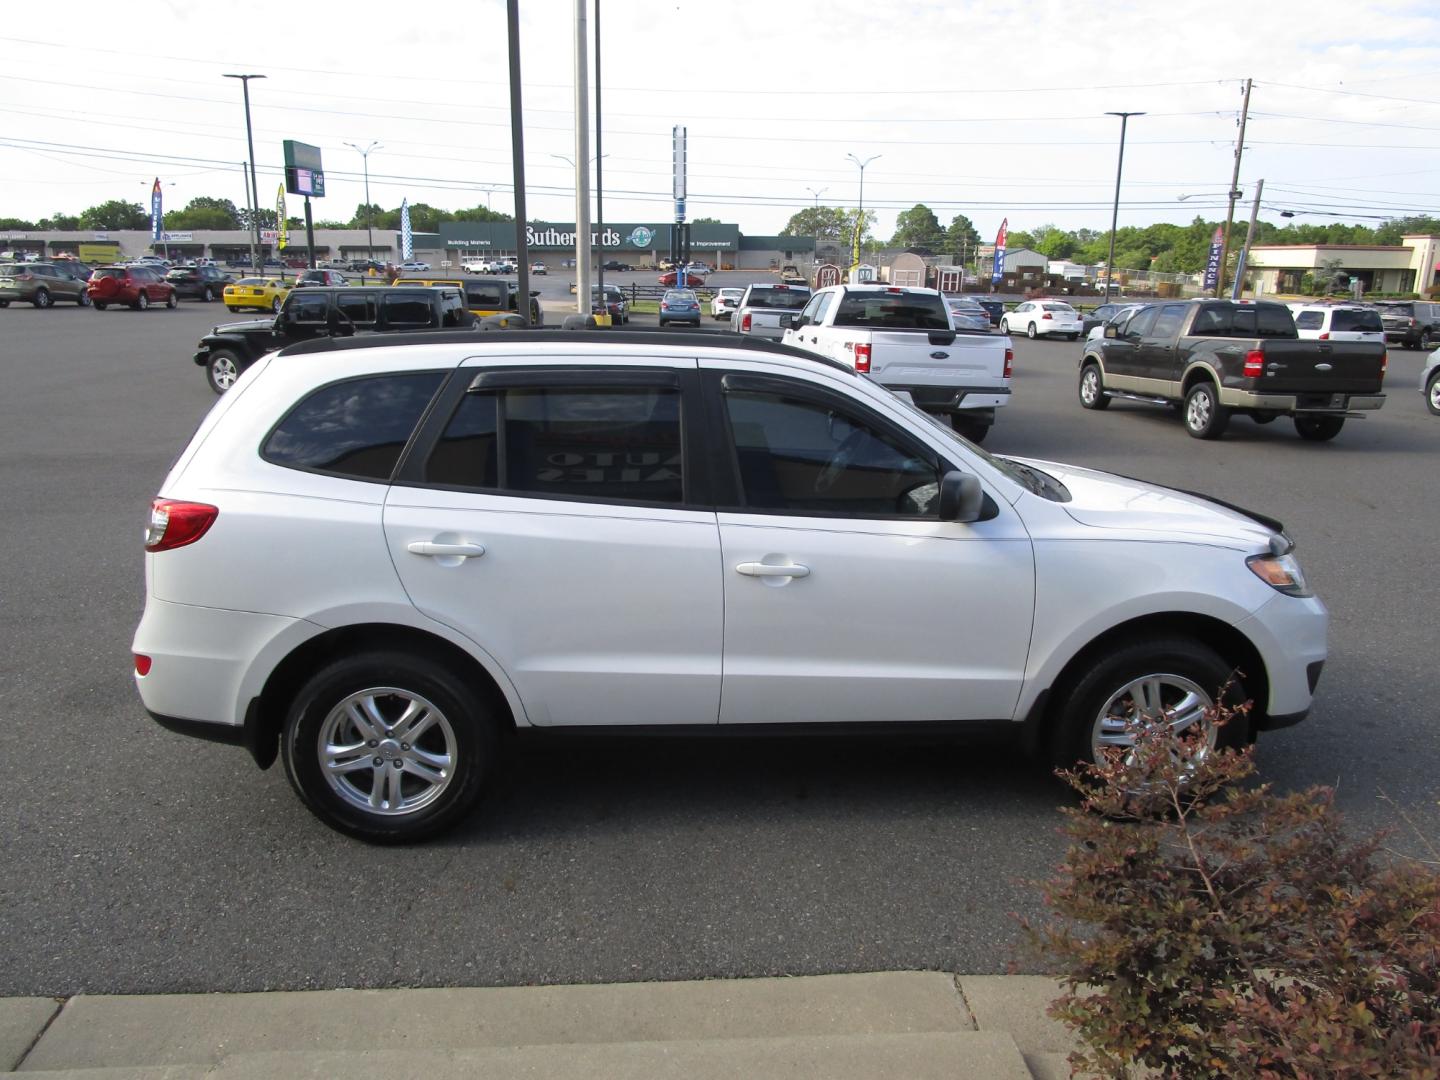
(369, 235)
(817, 192)
(1115, 214)
(860, 218)
(254, 188)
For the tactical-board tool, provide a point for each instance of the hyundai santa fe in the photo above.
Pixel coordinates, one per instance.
(572, 532)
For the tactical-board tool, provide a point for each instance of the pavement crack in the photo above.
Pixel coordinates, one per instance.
(59, 1008)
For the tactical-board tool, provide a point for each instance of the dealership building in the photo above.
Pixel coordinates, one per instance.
(640, 244)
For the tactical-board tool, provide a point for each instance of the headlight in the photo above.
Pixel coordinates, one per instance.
(1280, 572)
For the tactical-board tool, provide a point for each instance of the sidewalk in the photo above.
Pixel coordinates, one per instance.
(901, 1025)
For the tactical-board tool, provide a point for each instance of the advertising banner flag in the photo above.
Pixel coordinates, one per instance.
(1212, 264)
(282, 227)
(407, 239)
(999, 270)
(157, 212)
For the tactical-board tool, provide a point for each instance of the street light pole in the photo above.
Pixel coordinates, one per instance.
(254, 188)
(860, 217)
(819, 192)
(1115, 214)
(369, 234)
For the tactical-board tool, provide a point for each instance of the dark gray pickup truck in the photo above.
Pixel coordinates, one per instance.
(1214, 358)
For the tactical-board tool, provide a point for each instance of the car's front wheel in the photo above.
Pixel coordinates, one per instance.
(1432, 394)
(1092, 388)
(208, 294)
(222, 369)
(173, 300)
(83, 300)
(1004, 326)
(142, 301)
(1030, 331)
(275, 305)
(1177, 680)
(970, 429)
(99, 305)
(42, 298)
(389, 746)
(1205, 417)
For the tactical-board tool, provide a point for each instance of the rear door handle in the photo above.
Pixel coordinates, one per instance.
(760, 569)
(431, 548)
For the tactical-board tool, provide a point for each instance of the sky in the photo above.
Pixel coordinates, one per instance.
(989, 109)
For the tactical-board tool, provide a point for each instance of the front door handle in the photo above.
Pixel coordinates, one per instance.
(431, 548)
(760, 569)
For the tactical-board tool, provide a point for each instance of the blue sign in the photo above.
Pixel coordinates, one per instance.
(679, 209)
(1212, 264)
(157, 212)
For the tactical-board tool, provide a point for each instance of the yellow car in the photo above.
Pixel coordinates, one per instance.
(259, 294)
(484, 296)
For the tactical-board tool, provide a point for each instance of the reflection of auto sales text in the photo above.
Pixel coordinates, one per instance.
(643, 467)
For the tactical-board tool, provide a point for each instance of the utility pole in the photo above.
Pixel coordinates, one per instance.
(1249, 239)
(250, 206)
(1234, 192)
(369, 235)
(517, 152)
(582, 163)
(599, 175)
(1115, 214)
(254, 189)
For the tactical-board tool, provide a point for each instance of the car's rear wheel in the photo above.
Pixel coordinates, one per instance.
(208, 294)
(1205, 417)
(83, 300)
(970, 429)
(1092, 388)
(99, 305)
(389, 746)
(142, 301)
(275, 305)
(42, 298)
(1073, 337)
(1030, 331)
(1318, 428)
(1178, 679)
(1432, 394)
(222, 369)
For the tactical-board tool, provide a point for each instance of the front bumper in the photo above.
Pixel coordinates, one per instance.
(1290, 634)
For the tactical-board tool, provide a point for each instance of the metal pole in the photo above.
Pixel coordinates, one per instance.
(254, 187)
(1234, 191)
(517, 153)
(309, 235)
(582, 162)
(369, 233)
(599, 173)
(250, 208)
(1115, 213)
(1249, 238)
(860, 217)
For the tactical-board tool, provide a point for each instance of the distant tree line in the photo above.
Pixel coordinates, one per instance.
(204, 212)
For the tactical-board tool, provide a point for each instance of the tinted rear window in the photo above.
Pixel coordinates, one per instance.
(110, 271)
(356, 428)
(487, 297)
(902, 310)
(1357, 319)
(784, 299)
(1244, 321)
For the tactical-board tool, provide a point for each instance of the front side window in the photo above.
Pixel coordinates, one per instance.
(1140, 325)
(355, 428)
(802, 456)
(356, 309)
(619, 444)
(308, 309)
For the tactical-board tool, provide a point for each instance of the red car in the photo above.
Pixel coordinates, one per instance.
(137, 286)
(692, 277)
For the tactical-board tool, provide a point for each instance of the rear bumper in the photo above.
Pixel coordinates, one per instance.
(1302, 404)
(955, 398)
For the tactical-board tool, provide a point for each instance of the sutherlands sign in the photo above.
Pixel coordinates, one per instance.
(547, 236)
(553, 237)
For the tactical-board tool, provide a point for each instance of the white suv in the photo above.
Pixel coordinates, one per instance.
(1338, 322)
(377, 558)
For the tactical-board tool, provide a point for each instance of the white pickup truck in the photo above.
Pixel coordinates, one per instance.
(903, 339)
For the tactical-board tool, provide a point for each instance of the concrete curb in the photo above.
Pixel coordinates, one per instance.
(913, 1024)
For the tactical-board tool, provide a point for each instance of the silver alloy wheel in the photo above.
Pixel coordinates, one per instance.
(223, 372)
(1198, 410)
(387, 751)
(1434, 393)
(1090, 385)
(143, 300)
(1180, 701)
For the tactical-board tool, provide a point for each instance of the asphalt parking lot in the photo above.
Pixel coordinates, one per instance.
(142, 861)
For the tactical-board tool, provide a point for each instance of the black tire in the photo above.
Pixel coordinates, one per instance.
(1073, 337)
(1030, 332)
(969, 429)
(1092, 388)
(173, 300)
(465, 727)
(99, 305)
(1204, 416)
(1264, 417)
(83, 300)
(1432, 394)
(4, 303)
(1004, 326)
(42, 298)
(222, 369)
(208, 294)
(1412, 345)
(275, 305)
(1318, 428)
(1118, 666)
(142, 301)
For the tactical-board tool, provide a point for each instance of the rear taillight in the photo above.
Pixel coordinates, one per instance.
(1047, 315)
(1009, 362)
(174, 524)
(26, 276)
(1254, 364)
(862, 357)
(745, 322)
(142, 664)
(1325, 335)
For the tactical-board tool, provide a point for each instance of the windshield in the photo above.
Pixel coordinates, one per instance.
(897, 309)
(784, 299)
(111, 272)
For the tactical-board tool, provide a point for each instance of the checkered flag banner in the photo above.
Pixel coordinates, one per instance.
(407, 243)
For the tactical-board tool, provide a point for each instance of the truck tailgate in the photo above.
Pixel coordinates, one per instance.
(907, 358)
(1332, 367)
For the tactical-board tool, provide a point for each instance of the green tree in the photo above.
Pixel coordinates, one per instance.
(706, 221)
(822, 222)
(962, 238)
(115, 214)
(1017, 238)
(266, 218)
(16, 223)
(917, 227)
(68, 222)
(1054, 242)
(204, 212)
(480, 213)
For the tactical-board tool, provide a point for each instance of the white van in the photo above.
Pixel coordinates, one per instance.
(1338, 322)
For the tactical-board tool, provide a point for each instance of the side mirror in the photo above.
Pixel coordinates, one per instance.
(789, 322)
(1110, 332)
(534, 292)
(961, 497)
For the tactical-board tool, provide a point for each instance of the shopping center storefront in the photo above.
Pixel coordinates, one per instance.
(638, 243)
